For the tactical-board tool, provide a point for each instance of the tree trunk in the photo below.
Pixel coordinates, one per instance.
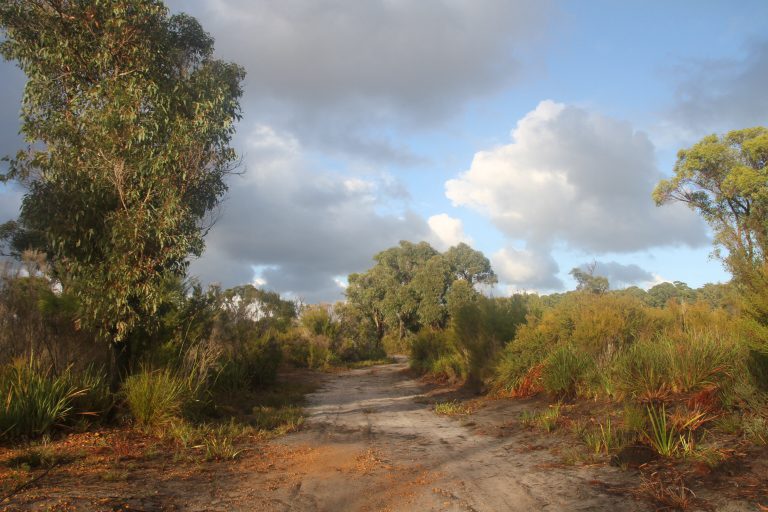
(121, 363)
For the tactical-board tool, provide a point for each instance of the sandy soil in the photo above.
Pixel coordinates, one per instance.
(372, 443)
(416, 460)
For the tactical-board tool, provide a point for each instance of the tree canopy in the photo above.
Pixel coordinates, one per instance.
(412, 285)
(725, 179)
(128, 118)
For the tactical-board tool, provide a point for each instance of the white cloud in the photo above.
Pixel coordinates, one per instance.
(576, 179)
(447, 231)
(529, 270)
(342, 74)
(301, 226)
(619, 275)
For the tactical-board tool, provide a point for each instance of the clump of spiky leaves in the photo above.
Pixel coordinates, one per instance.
(33, 400)
(563, 370)
(547, 419)
(155, 396)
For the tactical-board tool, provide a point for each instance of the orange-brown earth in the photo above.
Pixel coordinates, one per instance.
(372, 442)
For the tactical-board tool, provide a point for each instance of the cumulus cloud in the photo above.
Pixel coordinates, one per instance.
(574, 178)
(333, 71)
(297, 227)
(620, 275)
(722, 95)
(447, 231)
(527, 269)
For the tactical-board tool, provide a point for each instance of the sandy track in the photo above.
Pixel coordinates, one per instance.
(379, 446)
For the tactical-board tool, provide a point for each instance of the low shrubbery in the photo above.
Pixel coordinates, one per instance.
(675, 370)
(36, 399)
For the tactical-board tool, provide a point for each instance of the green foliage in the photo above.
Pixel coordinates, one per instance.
(723, 178)
(129, 119)
(662, 437)
(33, 401)
(452, 408)
(94, 398)
(427, 347)
(411, 286)
(253, 365)
(605, 438)
(563, 370)
(701, 359)
(547, 419)
(480, 329)
(756, 429)
(450, 367)
(154, 397)
(588, 282)
(526, 351)
(643, 371)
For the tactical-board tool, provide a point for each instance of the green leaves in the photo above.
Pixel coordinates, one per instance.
(412, 285)
(725, 179)
(130, 120)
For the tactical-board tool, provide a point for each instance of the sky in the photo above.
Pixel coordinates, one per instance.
(535, 131)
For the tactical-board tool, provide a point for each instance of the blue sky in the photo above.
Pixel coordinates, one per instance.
(533, 130)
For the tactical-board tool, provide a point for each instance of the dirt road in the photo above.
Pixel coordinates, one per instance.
(374, 443)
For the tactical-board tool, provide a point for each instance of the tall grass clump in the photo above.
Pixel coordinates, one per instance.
(155, 397)
(563, 370)
(94, 398)
(32, 400)
(702, 359)
(643, 371)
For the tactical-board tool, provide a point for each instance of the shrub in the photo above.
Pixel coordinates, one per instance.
(426, 347)
(450, 367)
(255, 365)
(661, 436)
(562, 371)
(94, 399)
(605, 438)
(33, 400)
(701, 359)
(519, 356)
(642, 372)
(155, 397)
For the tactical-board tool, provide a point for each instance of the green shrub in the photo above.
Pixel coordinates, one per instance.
(255, 365)
(426, 347)
(642, 371)
(527, 350)
(563, 370)
(450, 367)
(756, 429)
(702, 359)
(33, 401)
(95, 398)
(277, 419)
(757, 364)
(155, 397)
(662, 436)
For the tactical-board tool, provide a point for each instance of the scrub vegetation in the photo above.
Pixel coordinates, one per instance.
(100, 326)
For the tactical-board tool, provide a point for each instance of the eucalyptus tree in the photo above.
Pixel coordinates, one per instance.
(725, 179)
(410, 286)
(129, 118)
